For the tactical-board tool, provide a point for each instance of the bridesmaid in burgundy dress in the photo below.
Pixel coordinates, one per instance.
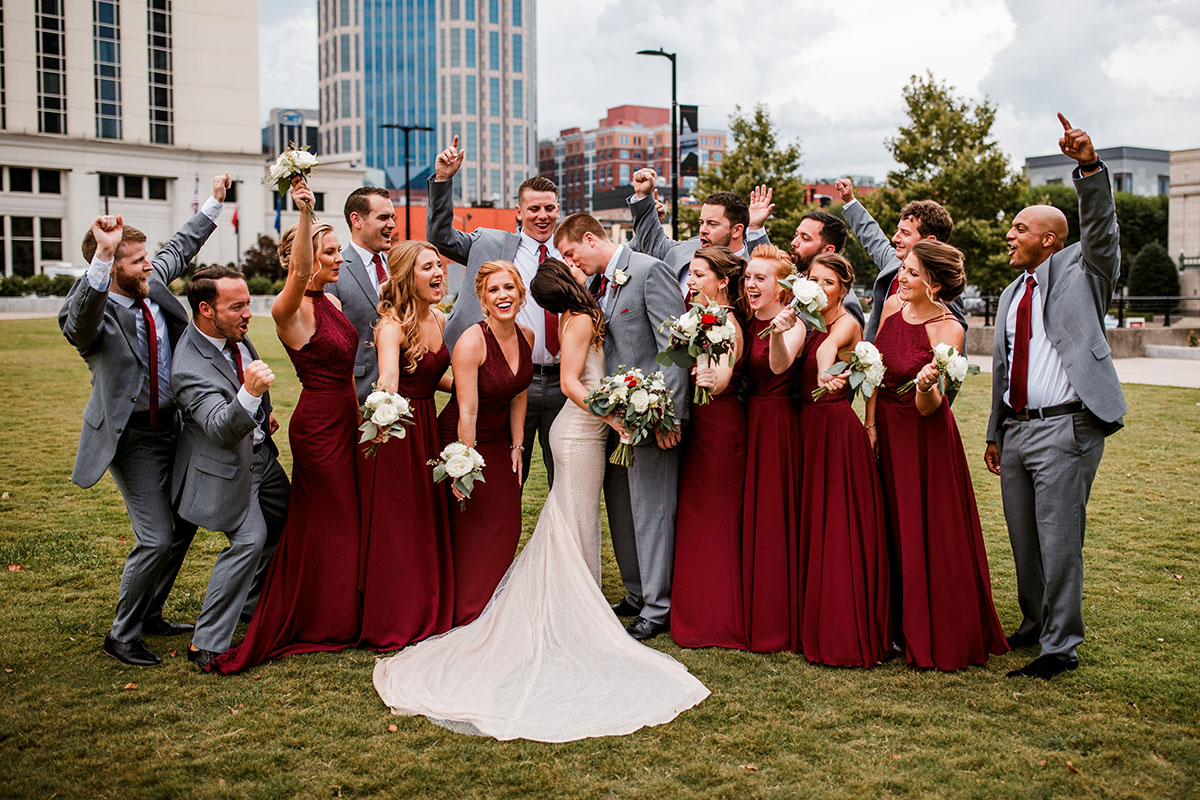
(940, 585)
(843, 537)
(493, 366)
(706, 593)
(309, 598)
(406, 574)
(770, 583)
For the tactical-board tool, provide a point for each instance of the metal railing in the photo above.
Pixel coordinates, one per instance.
(1119, 305)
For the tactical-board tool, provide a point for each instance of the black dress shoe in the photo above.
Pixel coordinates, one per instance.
(161, 627)
(1019, 640)
(626, 608)
(1046, 666)
(643, 629)
(202, 658)
(134, 653)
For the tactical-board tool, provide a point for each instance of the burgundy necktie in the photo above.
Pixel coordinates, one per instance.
(380, 272)
(601, 289)
(236, 352)
(551, 319)
(152, 346)
(1018, 387)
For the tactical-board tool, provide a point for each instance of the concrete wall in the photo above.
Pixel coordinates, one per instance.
(1125, 342)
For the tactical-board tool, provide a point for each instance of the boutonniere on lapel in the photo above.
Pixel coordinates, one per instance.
(620, 277)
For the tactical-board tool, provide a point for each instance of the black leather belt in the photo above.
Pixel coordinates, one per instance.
(141, 419)
(545, 369)
(1045, 413)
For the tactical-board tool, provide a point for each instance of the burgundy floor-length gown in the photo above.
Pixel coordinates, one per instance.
(706, 592)
(940, 585)
(770, 584)
(309, 598)
(842, 534)
(406, 574)
(486, 531)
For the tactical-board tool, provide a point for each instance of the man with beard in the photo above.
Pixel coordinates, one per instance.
(822, 232)
(372, 219)
(725, 221)
(537, 216)
(227, 476)
(126, 323)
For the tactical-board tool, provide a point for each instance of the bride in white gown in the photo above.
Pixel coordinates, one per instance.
(547, 659)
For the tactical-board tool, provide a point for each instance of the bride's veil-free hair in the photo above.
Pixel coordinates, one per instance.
(556, 290)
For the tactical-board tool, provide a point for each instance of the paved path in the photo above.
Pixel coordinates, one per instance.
(1183, 372)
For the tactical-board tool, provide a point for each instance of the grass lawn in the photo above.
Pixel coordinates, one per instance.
(75, 723)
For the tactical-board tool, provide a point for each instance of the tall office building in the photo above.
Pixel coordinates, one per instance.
(462, 67)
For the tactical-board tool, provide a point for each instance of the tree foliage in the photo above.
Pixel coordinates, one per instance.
(1153, 274)
(262, 259)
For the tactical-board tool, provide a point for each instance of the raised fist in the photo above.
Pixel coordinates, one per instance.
(221, 183)
(845, 189)
(257, 377)
(107, 230)
(643, 181)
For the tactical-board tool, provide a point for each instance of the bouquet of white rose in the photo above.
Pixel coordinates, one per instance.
(953, 368)
(700, 336)
(808, 298)
(461, 464)
(643, 405)
(291, 162)
(865, 366)
(385, 414)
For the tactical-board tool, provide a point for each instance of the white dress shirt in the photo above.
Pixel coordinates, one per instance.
(531, 314)
(610, 275)
(248, 401)
(368, 258)
(1047, 384)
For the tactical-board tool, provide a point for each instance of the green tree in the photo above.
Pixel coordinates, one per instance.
(262, 259)
(1143, 222)
(1153, 274)
(947, 153)
(756, 156)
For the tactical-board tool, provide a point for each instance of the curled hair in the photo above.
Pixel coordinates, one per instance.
(489, 269)
(288, 241)
(838, 265)
(556, 290)
(398, 299)
(931, 217)
(202, 288)
(724, 264)
(128, 234)
(783, 267)
(943, 265)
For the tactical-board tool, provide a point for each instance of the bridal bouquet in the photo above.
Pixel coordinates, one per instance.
(865, 366)
(385, 414)
(700, 336)
(291, 162)
(808, 298)
(642, 404)
(952, 367)
(463, 465)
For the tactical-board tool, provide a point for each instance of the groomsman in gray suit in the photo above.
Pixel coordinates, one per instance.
(537, 215)
(920, 219)
(126, 323)
(227, 476)
(725, 221)
(1055, 397)
(640, 293)
(821, 232)
(372, 219)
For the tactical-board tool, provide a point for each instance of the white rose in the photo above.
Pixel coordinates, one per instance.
(279, 170)
(304, 159)
(476, 459)
(459, 465)
(653, 398)
(943, 353)
(620, 277)
(640, 400)
(620, 394)
(385, 415)
(956, 368)
(454, 449)
(375, 399)
(867, 353)
(401, 405)
(688, 324)
(875, 374)
(716, 335)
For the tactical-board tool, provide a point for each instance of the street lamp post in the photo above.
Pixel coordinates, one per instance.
(407, 177)
(674, 140)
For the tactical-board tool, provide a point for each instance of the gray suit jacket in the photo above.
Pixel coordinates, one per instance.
(879, 248)
(650, 238)
(634, 314)
(469, 249)
(106, 336)
(360, 301)
(211, 480)
(1077, 283)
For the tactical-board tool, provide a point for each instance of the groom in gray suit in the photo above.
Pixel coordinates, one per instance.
(227, 476)
(125, 323)
(639, 294)
(1055, 397)
(372, 219)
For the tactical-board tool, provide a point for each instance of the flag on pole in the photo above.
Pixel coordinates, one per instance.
(235, 219)
(276, 213)
(196, 196)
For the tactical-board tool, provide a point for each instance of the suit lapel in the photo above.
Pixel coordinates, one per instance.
(614, 289)
(511, 243)
(127, 322)
(358, 271)
(176, 316)
(218, 359)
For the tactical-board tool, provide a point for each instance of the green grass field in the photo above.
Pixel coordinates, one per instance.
(75, 723)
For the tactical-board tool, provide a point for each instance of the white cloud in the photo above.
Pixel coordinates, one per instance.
(1164, 64)
(287, 55)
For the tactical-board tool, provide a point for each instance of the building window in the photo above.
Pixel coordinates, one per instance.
(494, 96)
(472, 101)
(518, 153)
(455, 47)
(344, 52)
(453, 9)
(49, 181)
(455, 94)
(494, 142)
(518, 54)
(469, 10)
(516, 9)
(346, 98)
(1123, 182)
(1164, 184)
(496, 185)
(162, 100)
(494, 17)
(3, 114)
(345, 12)
(20, 179)
(469, 44)
(624, 153)
(51, 67)
(624, 174)
(494, 49)
(518, 99)
(133, 185)
(106, 46)
(347, 139)
(156, 189)
(51, 245)
(472, 137)
(22, 246)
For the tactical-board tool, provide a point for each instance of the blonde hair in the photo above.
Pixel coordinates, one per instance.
(398, 299)
(489, 269)
(288, 241)
(783, 268)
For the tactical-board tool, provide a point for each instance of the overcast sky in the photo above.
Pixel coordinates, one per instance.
(832, 73)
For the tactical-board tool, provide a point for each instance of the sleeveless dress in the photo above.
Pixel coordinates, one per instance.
(485, 533)
(770, 581)
(406, 575)
(706, 593)
(309, 599)
(546, 660)
(941, 591)
(842, 533)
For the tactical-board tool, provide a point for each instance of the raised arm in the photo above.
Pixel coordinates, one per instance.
(81, 316)
(648, 234)
(172, 259)
(286, 308)
(1099, 234)
(866, 229)
(224, 422)
(439, 225)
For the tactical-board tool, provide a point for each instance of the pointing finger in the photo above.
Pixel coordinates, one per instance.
(1066, 125)
(454, 143)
